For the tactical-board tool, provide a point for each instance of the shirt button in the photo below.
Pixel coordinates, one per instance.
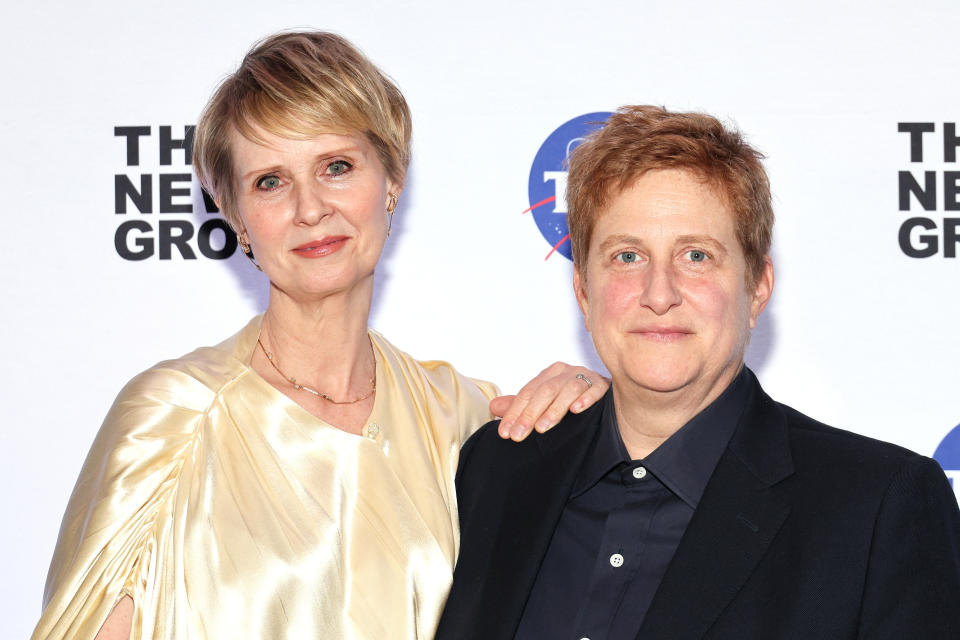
(371, 430)
(639, 473)
(616, 560)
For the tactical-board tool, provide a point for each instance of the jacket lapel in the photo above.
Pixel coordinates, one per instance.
(529, 517)
(736, 520)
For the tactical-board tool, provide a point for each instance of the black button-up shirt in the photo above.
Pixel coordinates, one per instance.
(622, 524)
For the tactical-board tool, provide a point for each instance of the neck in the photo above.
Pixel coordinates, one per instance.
(646, 418)
(322, 343)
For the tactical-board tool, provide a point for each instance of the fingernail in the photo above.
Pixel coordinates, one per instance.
(577, 406)
(518, 431)
(543, 425)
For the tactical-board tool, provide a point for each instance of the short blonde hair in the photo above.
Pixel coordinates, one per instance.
(637, 139)
(298, 85)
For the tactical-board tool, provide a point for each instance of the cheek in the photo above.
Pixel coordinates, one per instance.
(723, 311)
(262, 227)
(260, 212)
(714, 302)
(365, 210)
(617, 296)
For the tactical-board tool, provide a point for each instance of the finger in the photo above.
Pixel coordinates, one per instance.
(511, 414)
(541, 409)
(591, 394)
(520, 425)
(515, 424)
(534, 402)
(576, 395)
(553, 414)
(500, 404)
(538, 408)
(500, 407)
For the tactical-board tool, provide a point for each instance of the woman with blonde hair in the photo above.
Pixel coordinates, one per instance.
(296, 480)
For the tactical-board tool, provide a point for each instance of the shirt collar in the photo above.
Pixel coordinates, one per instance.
(686, 460)
(607, 450)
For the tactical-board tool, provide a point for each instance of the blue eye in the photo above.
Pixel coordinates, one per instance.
(339, 167)
(696, 255)
(268, 183)
(628, 256)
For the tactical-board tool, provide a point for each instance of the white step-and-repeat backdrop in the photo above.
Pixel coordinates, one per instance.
(855, 104)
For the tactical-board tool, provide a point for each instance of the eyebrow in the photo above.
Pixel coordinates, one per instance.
(618, 238)
(709, 241)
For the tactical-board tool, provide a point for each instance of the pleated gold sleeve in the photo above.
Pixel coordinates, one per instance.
(225, 510)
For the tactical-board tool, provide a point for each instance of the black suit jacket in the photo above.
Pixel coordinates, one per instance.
(803, 531)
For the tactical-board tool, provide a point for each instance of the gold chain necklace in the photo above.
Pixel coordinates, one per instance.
(301, 387)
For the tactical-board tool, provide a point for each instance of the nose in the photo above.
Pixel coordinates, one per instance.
(660, 292)
(311, 205)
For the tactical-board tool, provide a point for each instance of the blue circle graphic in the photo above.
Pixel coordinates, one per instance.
(548, 178)
(948, 453)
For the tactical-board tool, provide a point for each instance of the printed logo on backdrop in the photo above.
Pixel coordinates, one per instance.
(161, 210)
(547, 187)
(948, 455)
(929, 193)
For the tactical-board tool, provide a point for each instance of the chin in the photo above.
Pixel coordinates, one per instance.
(662, 377)
(333, 281)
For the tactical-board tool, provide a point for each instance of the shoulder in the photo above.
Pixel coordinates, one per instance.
(151, 428)
(814, 441)
(437, 378)
(889, 513)
(486, 456)
(169, 398)
(857, 477)
(189, 383)
(119, 503)
(486, 453)
(189, 380)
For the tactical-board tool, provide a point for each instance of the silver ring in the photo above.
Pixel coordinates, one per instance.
(580, 376)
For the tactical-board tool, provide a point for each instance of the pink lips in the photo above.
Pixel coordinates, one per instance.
(322, 247)
(662, 334)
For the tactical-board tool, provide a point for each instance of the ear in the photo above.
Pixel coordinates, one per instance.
(763, 289)
(580, 291)
(391, 200)
(394, 188)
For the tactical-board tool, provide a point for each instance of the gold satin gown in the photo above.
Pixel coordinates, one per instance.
(225, 510)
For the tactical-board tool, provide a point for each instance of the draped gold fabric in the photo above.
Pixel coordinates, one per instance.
(227, 511)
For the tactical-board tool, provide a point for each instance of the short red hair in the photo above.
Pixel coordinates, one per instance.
(637, 139)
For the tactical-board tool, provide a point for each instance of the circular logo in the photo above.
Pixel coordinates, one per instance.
(948, 455)
(547, 187)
